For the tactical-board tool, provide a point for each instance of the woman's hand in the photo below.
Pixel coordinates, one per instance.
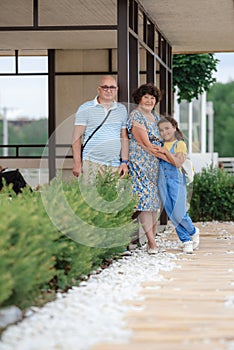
(164, 154)
(123, 170)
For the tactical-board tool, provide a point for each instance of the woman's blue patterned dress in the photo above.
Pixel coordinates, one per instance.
(144, 167)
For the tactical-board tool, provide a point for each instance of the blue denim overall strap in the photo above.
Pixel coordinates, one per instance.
(172, 149)
(172, 189)
(169, 169)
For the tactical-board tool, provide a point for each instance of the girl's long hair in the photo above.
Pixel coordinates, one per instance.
(178, 134)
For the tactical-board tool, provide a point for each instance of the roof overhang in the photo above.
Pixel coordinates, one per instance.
(194, 26)
(189, 26)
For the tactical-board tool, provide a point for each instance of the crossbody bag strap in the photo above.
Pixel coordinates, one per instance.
(99, 126)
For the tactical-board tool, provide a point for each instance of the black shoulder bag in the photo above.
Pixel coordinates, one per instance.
(99, 126)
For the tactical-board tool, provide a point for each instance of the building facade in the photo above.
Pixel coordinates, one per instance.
(82, 43)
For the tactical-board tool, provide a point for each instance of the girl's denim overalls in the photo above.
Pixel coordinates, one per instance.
(172, 189)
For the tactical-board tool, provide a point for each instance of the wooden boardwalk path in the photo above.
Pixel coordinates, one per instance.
(193, 308)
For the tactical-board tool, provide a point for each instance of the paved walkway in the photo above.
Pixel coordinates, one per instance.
(193, 308)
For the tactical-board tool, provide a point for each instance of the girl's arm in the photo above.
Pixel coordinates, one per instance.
(179, 159)
(176, 159)
(180, 153)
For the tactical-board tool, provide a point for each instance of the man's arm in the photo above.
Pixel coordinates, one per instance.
(124, 144)
(123, 169)
(76, 149)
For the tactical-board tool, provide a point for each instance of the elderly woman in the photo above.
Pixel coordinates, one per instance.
(144, 144)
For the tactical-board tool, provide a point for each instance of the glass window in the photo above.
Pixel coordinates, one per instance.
(24, 96)
(142, 57)
(23, 112)
(141, 25)
(7, 64)
(32, 64)
(156, 45)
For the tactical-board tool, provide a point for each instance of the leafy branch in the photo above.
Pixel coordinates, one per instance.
(193, 74)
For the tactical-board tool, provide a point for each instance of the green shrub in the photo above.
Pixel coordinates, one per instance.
(213, 195)
(48, 240)
(7, 281)
(89, 218)
(26, 245)
(74, 260)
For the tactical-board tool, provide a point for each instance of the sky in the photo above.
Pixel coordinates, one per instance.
(225, 67)
(26, 96)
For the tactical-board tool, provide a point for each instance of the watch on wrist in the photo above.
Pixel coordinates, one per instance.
(124, 161)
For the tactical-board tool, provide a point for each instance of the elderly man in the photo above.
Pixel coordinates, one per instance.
(108, 146)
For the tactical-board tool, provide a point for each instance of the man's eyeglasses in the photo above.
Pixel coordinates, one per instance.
(106, 87)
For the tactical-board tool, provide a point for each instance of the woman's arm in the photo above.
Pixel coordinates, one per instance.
(175, 159)
(141, 136)
(124, 144)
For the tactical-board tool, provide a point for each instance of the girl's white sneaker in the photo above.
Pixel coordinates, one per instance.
(188, 247)
(196, 238)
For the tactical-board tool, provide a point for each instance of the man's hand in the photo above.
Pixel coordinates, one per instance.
(77, 169)
(76, 149)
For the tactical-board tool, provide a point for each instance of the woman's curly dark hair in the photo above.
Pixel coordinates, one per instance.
(144, 89)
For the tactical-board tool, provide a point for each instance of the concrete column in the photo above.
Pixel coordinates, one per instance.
(176, 106)
(203, 122)
(5, 132)
(210, 113)
(190, 128)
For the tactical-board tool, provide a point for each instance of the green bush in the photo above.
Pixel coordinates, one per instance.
(213, 195)
(50, 239)
(73, 260)
(87, 216)
(26, 246)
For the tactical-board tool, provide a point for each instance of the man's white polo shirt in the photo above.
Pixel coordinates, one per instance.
(105, 145)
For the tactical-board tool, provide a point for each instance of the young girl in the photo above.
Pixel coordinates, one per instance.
(172, 185)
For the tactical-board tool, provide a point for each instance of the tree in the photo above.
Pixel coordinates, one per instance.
(222, 96)
(192, 74)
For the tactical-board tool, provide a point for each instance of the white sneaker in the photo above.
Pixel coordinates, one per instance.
(196, 238)
(188, 247)
(152, 251)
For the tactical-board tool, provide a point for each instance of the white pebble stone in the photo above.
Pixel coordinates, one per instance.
(94, 311)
